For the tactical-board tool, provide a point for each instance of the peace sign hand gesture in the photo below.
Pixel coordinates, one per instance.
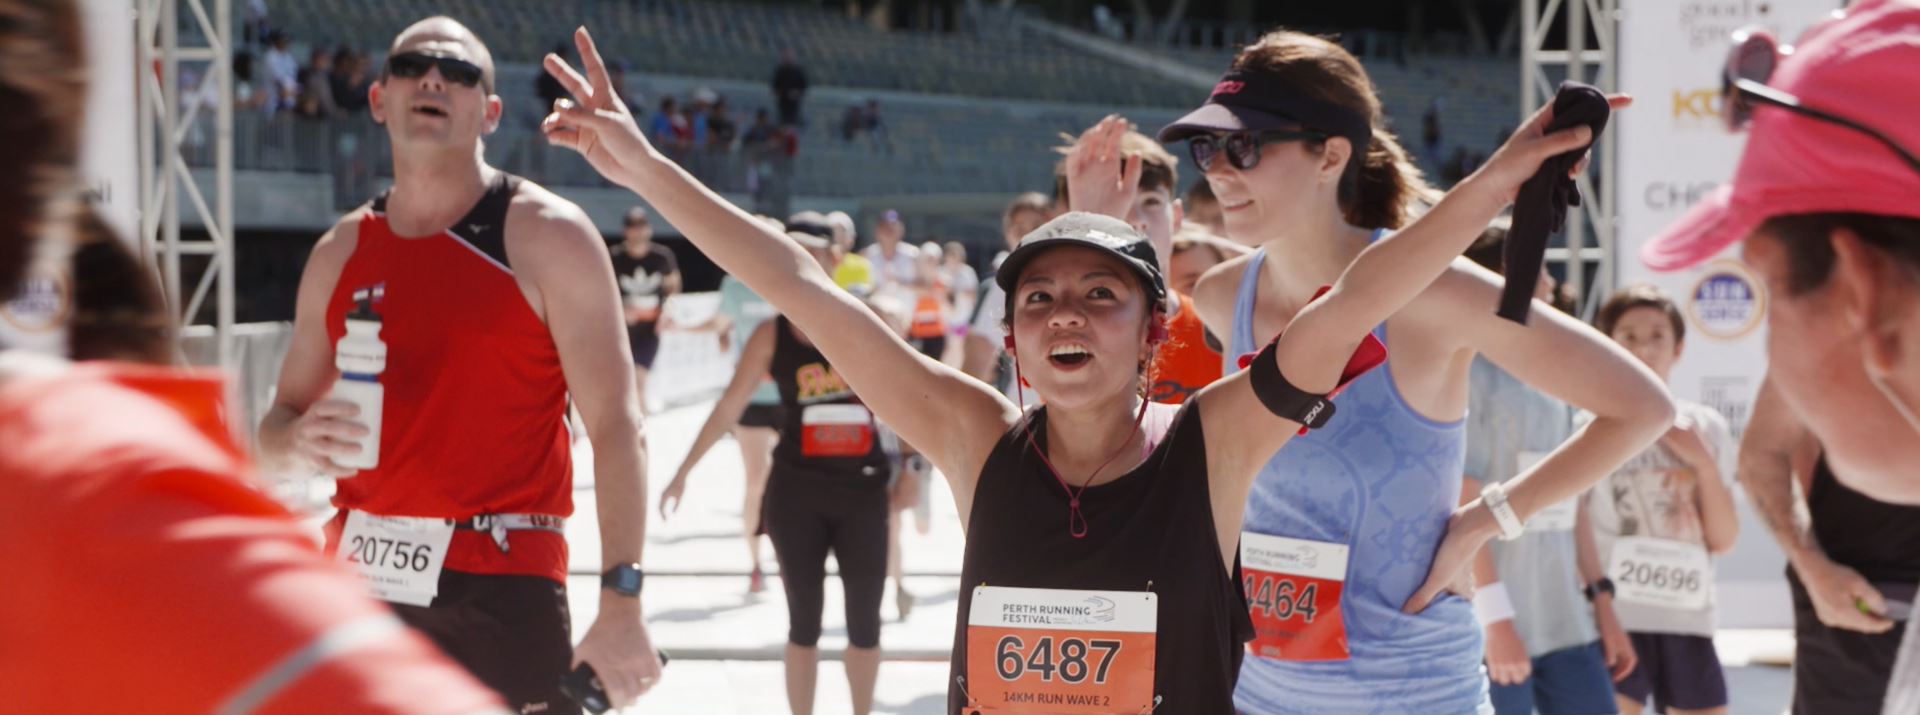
(595, 122)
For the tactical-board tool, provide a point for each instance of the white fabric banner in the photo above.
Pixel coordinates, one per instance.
(1673, 151)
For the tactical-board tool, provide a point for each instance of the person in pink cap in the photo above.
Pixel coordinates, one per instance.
(1826, 205)
(1827, 201)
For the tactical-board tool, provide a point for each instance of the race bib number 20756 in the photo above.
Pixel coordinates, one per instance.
(399, 558)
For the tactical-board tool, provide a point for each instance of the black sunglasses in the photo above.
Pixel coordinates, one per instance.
(414, 65)
(1743, 86)
(1243, 147)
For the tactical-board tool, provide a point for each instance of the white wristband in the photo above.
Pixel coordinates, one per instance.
(1494, 495)
(1491, 604)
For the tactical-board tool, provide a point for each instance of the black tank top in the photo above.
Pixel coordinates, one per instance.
(827, 433)
(1151, 529)
(1880, 540)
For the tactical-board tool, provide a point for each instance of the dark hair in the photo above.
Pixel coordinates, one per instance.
(43, 85)
(1159, 168)
(1808, 242)
(1380, 190)
(1640, 296)
(1489, 249)
(118, 312)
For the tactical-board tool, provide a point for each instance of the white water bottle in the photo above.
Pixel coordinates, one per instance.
(361, 357)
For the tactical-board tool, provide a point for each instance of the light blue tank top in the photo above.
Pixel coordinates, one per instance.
(1383, 480)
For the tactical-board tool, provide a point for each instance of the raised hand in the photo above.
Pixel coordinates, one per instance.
(1099, 180)
(1530, 146)
(595, 122)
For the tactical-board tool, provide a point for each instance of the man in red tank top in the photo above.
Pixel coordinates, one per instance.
(438, 334)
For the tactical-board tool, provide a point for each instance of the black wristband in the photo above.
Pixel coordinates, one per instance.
(1281, 397)
(1593, 590)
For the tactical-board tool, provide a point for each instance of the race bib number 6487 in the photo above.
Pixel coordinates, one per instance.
(1060, 651)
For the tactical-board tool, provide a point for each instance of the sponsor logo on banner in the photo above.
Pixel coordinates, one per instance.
(1727, 302)
(42, 305)
(1708, 22)
(1697, 109)
(1676, 195)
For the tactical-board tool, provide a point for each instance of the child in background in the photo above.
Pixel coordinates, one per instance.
(1657, 521)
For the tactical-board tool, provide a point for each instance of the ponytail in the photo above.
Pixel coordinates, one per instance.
(1386, 188)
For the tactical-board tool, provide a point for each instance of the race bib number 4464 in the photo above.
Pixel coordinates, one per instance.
(1067, 652)
(399, 558)
(1293, 594)
(1660, 572)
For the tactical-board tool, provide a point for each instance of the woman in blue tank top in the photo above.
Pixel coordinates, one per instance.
(1368, 628)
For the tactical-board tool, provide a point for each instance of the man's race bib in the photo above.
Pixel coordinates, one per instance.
(1556, 517)
(1293, 593)
(399, 557)
(1660, 572)
(1058, 651)
(841, 430)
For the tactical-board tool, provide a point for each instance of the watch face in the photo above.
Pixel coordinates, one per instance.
(623, 579)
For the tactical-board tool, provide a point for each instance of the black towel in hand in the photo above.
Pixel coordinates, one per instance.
(1541, 208)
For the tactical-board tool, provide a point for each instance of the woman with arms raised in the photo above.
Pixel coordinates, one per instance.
(1102, 530)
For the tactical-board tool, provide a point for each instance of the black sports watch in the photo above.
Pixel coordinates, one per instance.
(1593, 590)
(623, 579)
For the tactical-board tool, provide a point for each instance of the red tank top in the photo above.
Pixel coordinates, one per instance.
(1184, 363)
(474, 395)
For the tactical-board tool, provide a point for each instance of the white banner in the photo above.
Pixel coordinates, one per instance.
(110, 158)
(1673, 151)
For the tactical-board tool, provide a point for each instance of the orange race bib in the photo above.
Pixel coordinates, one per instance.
(840, 430)
(1065, 652)
(1293, 593)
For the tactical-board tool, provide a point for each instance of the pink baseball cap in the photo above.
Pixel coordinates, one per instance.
(1864, 66)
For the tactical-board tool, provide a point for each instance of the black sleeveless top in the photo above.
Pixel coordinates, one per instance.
(806, 380)
(1880, 540)
(1151, 529)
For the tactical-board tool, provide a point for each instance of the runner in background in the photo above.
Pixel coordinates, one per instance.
(1113, 170)
(1203, 208)
(1548, 650)
(1294, 144)
(852, 270)
(827, 493)
(1657, 521)
(492, 301)
(932, 302)
(985, 355)
(759, 424)
(1154, 539)
(896, 263)
(963, 288)
(648, 276)
(1195, 251)
(237, 609)
(1853, 562)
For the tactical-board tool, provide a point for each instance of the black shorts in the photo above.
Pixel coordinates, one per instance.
(769, 416)
(1837, 671)
(806, 519)
(645, 343)
(930, 347)
(511, 632)
(1677, 671)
